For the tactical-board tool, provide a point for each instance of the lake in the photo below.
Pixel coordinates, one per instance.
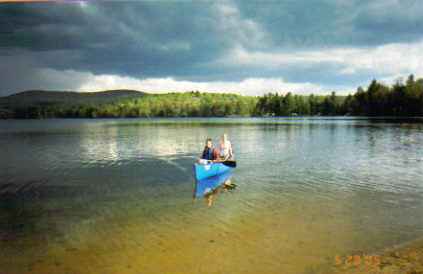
(117, 195)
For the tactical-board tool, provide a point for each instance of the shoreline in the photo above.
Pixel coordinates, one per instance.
(299, 117)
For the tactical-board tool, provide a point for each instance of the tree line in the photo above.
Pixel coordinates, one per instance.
(401, 99)
(187, 104)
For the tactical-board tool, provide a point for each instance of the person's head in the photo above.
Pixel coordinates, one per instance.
(209, 143)
(224, 136)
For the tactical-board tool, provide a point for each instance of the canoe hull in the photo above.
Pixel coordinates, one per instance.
(209, 184)
(205, 171)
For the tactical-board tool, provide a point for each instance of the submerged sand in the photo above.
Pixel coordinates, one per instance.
(278, 238)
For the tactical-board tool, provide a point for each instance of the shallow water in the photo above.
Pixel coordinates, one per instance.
(116, 195)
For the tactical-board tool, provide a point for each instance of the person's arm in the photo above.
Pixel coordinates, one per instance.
(230, 150)
(215, 155)
(203, 156)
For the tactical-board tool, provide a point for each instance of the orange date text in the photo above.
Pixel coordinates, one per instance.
(351, 260)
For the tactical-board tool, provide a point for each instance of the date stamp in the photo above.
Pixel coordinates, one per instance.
(351, 260)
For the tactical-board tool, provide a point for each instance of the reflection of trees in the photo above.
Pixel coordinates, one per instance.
(111, 143)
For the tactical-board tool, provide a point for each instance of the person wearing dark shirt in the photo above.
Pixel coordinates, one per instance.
(209, 152)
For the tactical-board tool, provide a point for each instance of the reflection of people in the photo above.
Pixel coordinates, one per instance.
(209, 152)
(224, 188)
(228, 185)
(210, 196)
(225, 148)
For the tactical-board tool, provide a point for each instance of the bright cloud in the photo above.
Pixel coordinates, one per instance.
(391, 59)
(250, 86)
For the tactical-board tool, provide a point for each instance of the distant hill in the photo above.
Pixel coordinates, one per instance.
(34, 98)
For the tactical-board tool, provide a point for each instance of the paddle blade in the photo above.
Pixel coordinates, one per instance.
(229, 163)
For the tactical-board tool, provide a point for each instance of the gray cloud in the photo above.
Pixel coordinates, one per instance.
(308, 24)
(140, 39)
(183, 39)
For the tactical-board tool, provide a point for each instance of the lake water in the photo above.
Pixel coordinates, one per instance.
(117, 195)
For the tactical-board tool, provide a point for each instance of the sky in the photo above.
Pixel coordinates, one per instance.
(244, 47)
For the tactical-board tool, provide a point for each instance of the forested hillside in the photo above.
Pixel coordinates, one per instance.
(187, 104)
(401, 99)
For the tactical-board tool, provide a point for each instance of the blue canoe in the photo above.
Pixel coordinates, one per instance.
(209, 184)
(212, 169)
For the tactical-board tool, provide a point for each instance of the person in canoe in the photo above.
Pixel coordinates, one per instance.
(225, 148)
(209, 153)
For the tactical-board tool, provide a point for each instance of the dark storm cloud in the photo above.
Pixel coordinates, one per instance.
(134, 38)
(184, 39)
(40, 26)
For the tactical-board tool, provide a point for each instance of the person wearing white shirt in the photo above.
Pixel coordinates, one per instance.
(225, 148)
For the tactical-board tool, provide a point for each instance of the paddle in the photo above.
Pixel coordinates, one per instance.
(229, 163)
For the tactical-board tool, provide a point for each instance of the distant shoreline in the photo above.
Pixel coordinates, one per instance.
(309, 117)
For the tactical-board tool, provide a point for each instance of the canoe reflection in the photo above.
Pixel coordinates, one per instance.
(211, 186)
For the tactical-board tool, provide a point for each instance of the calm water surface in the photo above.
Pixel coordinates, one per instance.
(115, 196)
